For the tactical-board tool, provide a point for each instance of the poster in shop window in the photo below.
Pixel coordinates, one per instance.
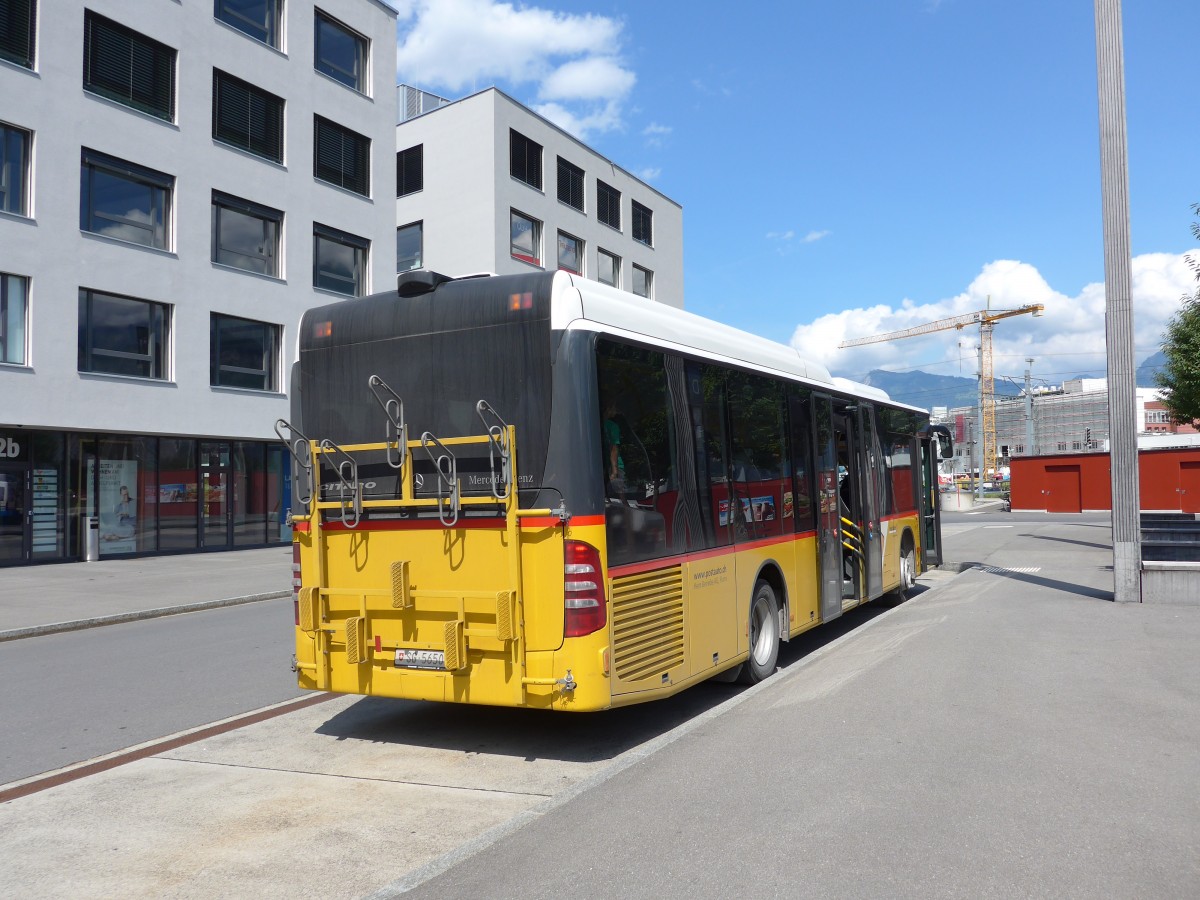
(118, 505)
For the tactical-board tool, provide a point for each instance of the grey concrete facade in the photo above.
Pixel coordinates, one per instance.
(469, 194)
(50, 249)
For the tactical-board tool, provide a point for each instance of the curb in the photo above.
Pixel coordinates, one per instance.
(119, 618)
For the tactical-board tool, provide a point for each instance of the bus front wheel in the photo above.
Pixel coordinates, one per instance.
(764, 635)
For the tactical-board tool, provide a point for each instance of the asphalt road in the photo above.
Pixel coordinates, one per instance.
(71, 697)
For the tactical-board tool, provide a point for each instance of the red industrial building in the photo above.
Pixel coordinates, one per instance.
(1169, 481)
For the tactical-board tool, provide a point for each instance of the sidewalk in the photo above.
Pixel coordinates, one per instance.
(47, 599)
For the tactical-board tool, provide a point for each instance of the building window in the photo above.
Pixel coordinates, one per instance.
(526, 238)
(525, 159)
(410, 170)
(245, 235)
(247, 117)
(340, 52)
(339, 261)
(14, 293)
(408, 247)
(570, 253)
(18, 31)
(122, 65)
(608, 204)
(258, 18)
(243, 353)
(643, 224)
(570, 184)
(1076, 445)
(643, 282)
(1062, 445)
(341, 157)
(608, 268)
(14, 170)
(122, 335)
(125, 201)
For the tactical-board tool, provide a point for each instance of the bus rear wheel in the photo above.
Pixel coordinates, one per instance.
(908, 566)
(764, 635)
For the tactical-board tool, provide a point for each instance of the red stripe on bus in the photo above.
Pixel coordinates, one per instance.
(586, 520)
(421, 524)
(663, 562)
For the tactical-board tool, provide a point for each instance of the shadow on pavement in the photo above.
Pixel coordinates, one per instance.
(568, 737)
(1048, 537)
(1054, 584)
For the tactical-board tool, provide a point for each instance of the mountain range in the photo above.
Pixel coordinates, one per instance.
(927, 390)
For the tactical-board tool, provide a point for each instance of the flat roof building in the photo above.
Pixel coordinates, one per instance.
(485, 184)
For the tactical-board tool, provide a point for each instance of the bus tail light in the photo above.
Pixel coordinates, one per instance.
(296, 582)
(583, 589)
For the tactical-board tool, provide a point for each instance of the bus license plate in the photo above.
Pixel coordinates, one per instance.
(408, 658)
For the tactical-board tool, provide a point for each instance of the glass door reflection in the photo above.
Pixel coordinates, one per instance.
(214, 488)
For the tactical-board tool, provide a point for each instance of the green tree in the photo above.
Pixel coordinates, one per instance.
(1180, 375)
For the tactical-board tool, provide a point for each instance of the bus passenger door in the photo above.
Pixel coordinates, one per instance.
(829, 533)
(931, 512)
(871, 499)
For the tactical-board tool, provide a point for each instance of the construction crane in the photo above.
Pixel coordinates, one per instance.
(986, 319)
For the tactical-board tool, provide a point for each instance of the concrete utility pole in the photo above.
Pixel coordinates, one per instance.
(1030, 449)
(1118, 288)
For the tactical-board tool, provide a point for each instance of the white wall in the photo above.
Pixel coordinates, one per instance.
(60, 259)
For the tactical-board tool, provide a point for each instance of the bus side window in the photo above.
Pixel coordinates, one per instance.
(637, 430)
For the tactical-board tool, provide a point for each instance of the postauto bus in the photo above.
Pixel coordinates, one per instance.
(536, 490)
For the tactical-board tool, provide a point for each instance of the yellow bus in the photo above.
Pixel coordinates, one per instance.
(536, 490)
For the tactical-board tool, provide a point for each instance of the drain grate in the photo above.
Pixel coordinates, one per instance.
(1006, 570)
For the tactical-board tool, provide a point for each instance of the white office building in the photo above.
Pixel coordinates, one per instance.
(178, 183)
(485, 184)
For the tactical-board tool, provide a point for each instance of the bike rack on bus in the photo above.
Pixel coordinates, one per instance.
(447, 474)
(497, 444)
(297, 440)
(346, 484)
(396, 433)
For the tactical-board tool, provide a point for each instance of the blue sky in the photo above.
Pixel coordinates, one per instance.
(848, 168)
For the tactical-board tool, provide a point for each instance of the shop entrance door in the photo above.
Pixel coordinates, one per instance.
(14, 514)
(215, 521)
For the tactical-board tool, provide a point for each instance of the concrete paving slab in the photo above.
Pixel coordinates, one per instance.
(169, 828)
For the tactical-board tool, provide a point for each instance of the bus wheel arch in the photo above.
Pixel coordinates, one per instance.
(763, 629)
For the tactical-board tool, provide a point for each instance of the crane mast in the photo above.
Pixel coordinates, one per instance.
(986, 319)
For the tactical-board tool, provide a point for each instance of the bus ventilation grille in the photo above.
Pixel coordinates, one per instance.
(647, 613)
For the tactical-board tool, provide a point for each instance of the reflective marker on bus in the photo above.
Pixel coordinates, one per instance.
(536, 490)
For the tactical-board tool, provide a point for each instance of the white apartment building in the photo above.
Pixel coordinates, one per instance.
(485, 184)
(178, 183)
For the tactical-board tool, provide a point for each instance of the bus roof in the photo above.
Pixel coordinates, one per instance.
(592, 304)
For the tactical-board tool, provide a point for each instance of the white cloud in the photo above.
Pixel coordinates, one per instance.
(573, 62)
(1068, 339)
(813, 236)
(593, 78)
(655, 129)
(649, 173)
(780, 235)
